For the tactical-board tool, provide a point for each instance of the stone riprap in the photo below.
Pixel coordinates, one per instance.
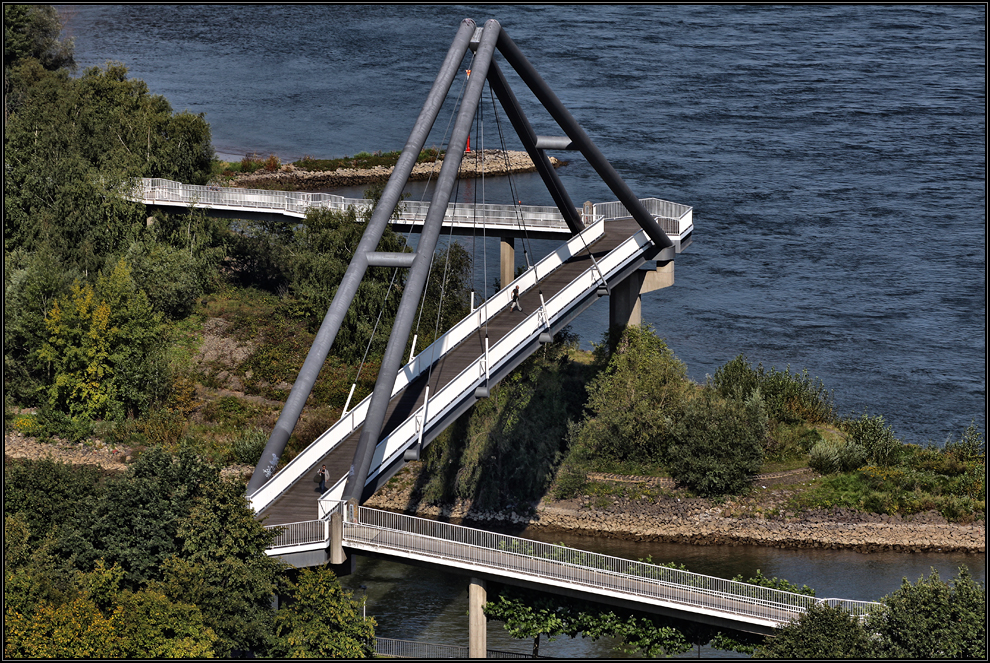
(474, 164)
(697, 521)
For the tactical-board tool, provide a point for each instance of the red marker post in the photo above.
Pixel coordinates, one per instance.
(468, 72)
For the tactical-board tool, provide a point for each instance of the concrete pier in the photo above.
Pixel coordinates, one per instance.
(477, 624)
(625, 303)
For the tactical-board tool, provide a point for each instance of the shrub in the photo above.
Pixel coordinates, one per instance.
(971, 445)
(832, 456)
(249, 445)
(876, 438)
(718, 444)
(790, 397)
(272, 163)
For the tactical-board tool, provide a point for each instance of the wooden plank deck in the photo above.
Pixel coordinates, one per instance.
(299, 502)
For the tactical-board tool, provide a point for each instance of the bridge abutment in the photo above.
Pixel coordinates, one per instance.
(625, 302)
(507, 260)
(477, 624)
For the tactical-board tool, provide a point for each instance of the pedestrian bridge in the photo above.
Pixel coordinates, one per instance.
(552, 568)
(535, 221)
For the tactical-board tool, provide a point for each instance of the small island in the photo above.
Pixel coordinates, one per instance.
(308, 174)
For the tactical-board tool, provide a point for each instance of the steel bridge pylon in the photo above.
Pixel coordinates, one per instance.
(484, 41)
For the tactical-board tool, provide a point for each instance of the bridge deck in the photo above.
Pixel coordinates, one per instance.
(299, 502)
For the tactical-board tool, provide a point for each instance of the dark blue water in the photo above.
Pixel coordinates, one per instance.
(834, 156)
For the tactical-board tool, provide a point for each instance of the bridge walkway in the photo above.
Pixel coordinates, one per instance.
(299, 502)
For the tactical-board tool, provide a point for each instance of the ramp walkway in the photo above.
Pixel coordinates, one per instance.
(569, 279)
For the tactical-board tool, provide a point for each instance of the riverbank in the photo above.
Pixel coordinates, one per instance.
(474, 164)
(757, 519)
(665, 515)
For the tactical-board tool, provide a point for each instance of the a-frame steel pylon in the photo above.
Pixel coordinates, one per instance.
(484, 41)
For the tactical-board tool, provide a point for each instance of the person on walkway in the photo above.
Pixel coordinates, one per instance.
(515, 300)
(323, 479)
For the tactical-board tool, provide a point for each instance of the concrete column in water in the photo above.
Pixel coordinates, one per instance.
(477, 624)
(507, 261)
(625, 303)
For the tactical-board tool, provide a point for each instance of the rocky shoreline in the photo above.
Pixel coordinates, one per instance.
(474, 164)
(697, 521)
(755, 520)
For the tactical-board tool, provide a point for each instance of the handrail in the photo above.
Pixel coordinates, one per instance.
(594, 570)
(393, 445)
(461, 546)
(674, 218)
(341, 429)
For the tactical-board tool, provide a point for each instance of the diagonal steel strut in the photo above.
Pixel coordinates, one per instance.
(359, 264)
(419, 272)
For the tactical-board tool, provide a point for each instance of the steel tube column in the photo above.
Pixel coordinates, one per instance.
(529, 75)
(418, 274)
(525, 131)
(359, 263)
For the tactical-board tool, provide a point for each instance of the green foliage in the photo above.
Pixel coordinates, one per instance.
(33, 31)
(249, 445)
(322, 248)
(821, 632)
(634, 402)
(876, 438)
(32, 281)
(45, 493)
(970, 446)
(222, 568)
(776, 583)
(933, 619)
(789, 397)
(363, 160)
(321, 620)
(833, 456)
(71, 147)
(104, 349)
(504, 449)
(930, 619)
(718, 444)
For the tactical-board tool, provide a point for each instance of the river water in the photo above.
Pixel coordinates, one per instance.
(834, 156)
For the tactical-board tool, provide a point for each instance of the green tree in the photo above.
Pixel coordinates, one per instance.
(321, 620)
(718, 444)
(34, 31)
(822, 632)
(46, 493)
(933, 619)
(104, 349)
(222, 568)
(32, 282)
(634, 402)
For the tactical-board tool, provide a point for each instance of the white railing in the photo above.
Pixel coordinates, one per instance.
(337, 433)
(301, 533)
(674, 218)
(391, 648)
(467, 547)
(526, 332)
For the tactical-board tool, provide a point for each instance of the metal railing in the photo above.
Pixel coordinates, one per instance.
(555, 565)
(392, 648)
(464, 546)
(301, 533)
(674, 218)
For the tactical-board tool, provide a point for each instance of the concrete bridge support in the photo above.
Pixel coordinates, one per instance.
(507, 261)
(477, 624)
(624, 302)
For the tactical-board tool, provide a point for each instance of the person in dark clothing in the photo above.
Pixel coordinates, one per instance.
(323, 479)
(515, 300)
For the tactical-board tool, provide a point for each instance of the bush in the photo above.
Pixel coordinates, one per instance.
(718, 444)
(832, 456)
(876, 439)
(971, 445)
(249, 446)
(789, 397)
